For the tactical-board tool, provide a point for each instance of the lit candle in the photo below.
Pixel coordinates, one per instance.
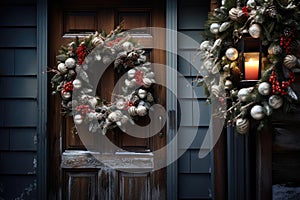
(251, 69)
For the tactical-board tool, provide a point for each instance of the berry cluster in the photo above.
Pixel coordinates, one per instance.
(139, 77)
(280, 88)
(68, 87)
(286, 40)
(84, 109)
(81, 53)
(245, 10)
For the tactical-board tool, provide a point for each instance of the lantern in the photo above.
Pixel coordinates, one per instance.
(252, 61)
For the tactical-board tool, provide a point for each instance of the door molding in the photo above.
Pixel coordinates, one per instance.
(42, 53)
(171, 101)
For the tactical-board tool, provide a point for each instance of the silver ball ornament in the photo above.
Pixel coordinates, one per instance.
(77, 83)
(242, 125)
(275, 101)
(264, 88)
(255, 30)
(127, 46)
(242, 94)
(214, 28)
(70, 63)
(232, 54)
(257, 112)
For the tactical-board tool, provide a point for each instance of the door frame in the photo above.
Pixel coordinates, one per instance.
(42, 61)
(171, 100)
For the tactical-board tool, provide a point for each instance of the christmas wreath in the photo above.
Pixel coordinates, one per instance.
(275, 24)
(77, 64)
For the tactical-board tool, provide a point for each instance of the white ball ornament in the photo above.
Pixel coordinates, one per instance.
(142, 93)
(232, 54)
(127, 46)
(78, 119)
(70, 63)
(257, 112)
(62, 68)
(264, 88)
(214, 28)
(242, 125)
(131, 73)
(251, 4)
(66, 95)
(255, 30)
(275, 101)
(77, 83)
(141, 110)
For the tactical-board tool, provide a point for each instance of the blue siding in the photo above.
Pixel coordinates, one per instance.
(18, 99)
(195, 177)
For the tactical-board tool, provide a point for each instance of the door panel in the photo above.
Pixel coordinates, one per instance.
(75, 169)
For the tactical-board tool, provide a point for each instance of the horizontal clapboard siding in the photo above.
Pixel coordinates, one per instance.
(194, 174)
(18, 99)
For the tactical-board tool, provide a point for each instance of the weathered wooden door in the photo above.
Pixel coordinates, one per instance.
(74, 173)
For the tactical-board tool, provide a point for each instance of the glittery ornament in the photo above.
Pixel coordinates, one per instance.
(275, 101)
(290, 61)
(232, 54)
(257, 112)
(78, 119)
(242, 125)
(115, 116)
(264, 88)
(274, 49)
(70, 63)
(255, 30)
(214, 28)
(77, 83)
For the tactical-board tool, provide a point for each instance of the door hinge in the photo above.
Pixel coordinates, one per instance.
(172, 119)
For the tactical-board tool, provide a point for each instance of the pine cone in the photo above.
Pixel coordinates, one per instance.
(271, 11)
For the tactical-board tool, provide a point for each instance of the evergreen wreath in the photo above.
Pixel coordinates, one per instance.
(73, 70)
(276, 24)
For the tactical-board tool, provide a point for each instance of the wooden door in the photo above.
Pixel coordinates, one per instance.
(74, 173)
